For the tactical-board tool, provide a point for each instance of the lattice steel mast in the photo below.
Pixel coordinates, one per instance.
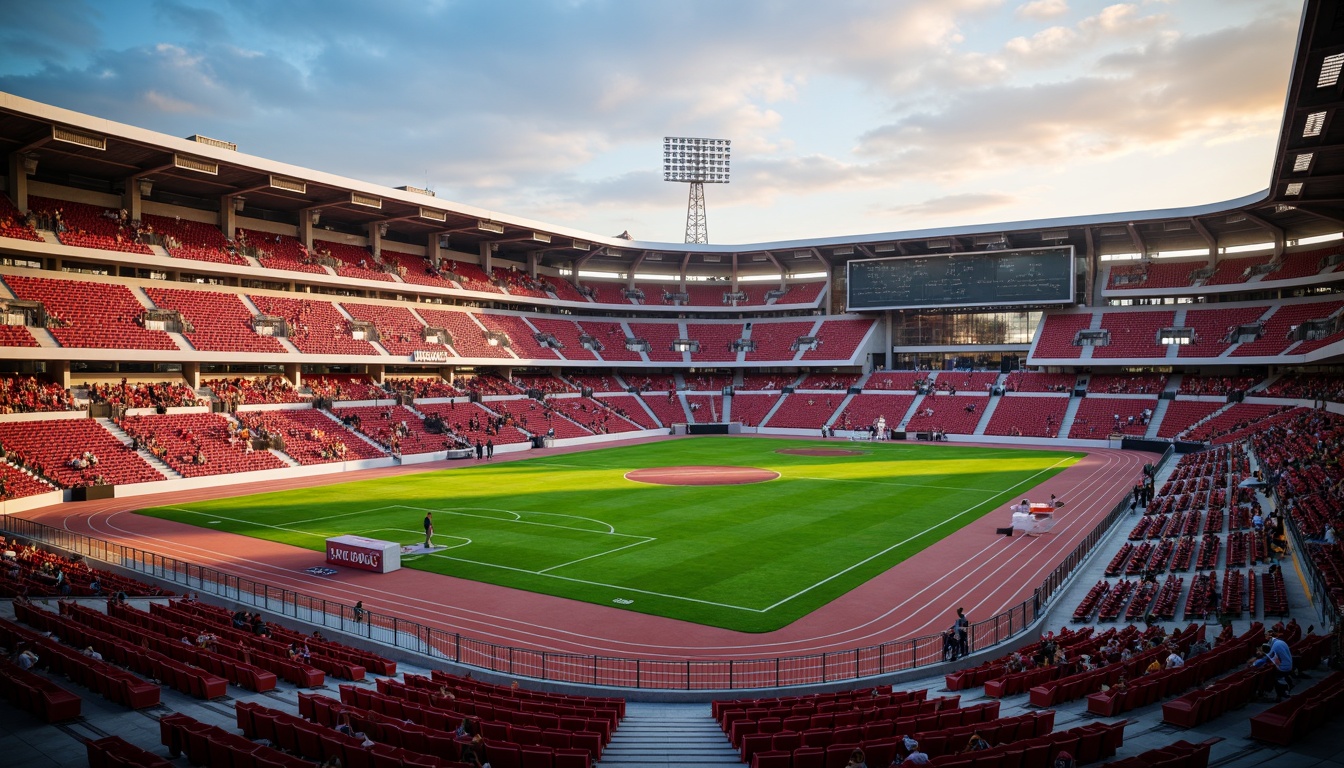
(697, 162)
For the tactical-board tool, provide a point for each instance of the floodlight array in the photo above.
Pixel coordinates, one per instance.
(696, 160)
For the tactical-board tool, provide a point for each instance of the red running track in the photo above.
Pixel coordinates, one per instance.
(973, 568)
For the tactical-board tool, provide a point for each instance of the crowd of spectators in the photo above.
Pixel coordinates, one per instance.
(422, 387)
(28, 394)
(158, 394)
(1314, 386)
(487, 384)
(262, 389)
(1217, 385)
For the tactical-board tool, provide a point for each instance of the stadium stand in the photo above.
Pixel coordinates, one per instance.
(29, 394)
(197, 444)
(255, 391)
(1134, 334)
(838, 339)
(91, 315)
(1098, 417)
(315, 327)
(345, 387)
(1027, 416)
(570, 336)
(776, 341)
(86, 226)
(308, 436)
(469, 338)
(399, 332)
(281, 252)
(74, 453)
(193, 240)
(220, 321)
(352, 261)
(1057, 334)
(522, 337)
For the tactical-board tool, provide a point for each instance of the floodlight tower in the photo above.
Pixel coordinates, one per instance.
(697, 162)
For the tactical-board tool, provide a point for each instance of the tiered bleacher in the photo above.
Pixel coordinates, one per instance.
(198, 444)
(86, 314)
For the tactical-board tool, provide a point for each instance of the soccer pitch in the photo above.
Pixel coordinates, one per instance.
(751, 557)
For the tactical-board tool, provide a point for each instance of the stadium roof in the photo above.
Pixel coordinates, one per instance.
(1305, 197)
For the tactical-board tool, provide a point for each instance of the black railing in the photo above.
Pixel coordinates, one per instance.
(610, 671)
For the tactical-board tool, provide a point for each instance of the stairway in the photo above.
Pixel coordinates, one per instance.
(1066, 423)
(1159, 413)
(150, 459)
(985, 417)
(668, 735)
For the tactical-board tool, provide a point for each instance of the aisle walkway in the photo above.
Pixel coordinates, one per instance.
(668, 734)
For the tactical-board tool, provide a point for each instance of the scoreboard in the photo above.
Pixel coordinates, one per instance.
(983, 279)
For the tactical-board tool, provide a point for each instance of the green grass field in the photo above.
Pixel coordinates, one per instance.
(749, 557)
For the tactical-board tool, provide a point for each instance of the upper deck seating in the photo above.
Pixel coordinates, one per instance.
(836, 381)
(520, 283)
(469, 339)
(29, 394)
(416, 270)
(904, 381)
(766, 382)
(716, 341)
(1098, 417)
(345, 387)
(309, 436)
(838, 339)
(16, 336)
(597, 382)
(399, 332)
(565, 290)
(802, 293)
(198, 444)
(522, 337)
(254, 391)
(1027, 416)
(707, 382)
(222, 322)
(755, 293)
(542, 382)
(1127, 383)
(1307, 385)
(1300, 264)
(1058, 333)
(660, 337)
(471, 277)
(50, 448)
(1230, 271)
(422, 386)
(1213, 327)
(194, 240)
(13, 223)
(1156, 274)
(612, 338)
(315, 326)
(352, 260)
(1237, 417)
(1216, 385)
(965, 381)
(1276, 337)
(651, 382)
(124, 394)
(1134, 334)
(487, 384)
(87, 226)
(95, 315)
(775, 341)
(568, 333)
(283, 252)
(1031, 381)
(608, 293)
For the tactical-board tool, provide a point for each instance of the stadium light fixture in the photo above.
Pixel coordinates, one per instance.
(146, 187)
(696, 161)
(30, 165)
(238, 203)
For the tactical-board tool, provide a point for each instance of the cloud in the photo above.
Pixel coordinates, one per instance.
(1041, 10)
(1178, 91)
(960, 203)
(1115, 22)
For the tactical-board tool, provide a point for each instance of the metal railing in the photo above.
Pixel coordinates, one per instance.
(608, 671)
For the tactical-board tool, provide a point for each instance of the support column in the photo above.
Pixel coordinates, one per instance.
(306, 226)
(130, 199)
(59, 372)
(433, 251)
(374, 229)
(532, 260)
(294, 372)
(487, 258)
(447, 373)
(191, 372)
(228, 218)
(18, 181)
(377, 373)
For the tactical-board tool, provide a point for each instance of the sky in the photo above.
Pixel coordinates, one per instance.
(846, 117)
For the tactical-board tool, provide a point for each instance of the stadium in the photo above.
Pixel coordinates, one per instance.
(661, 503)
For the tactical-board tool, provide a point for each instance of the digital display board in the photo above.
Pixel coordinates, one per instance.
(983, 279)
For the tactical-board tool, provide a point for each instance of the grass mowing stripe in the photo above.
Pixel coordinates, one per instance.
(748, 557)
